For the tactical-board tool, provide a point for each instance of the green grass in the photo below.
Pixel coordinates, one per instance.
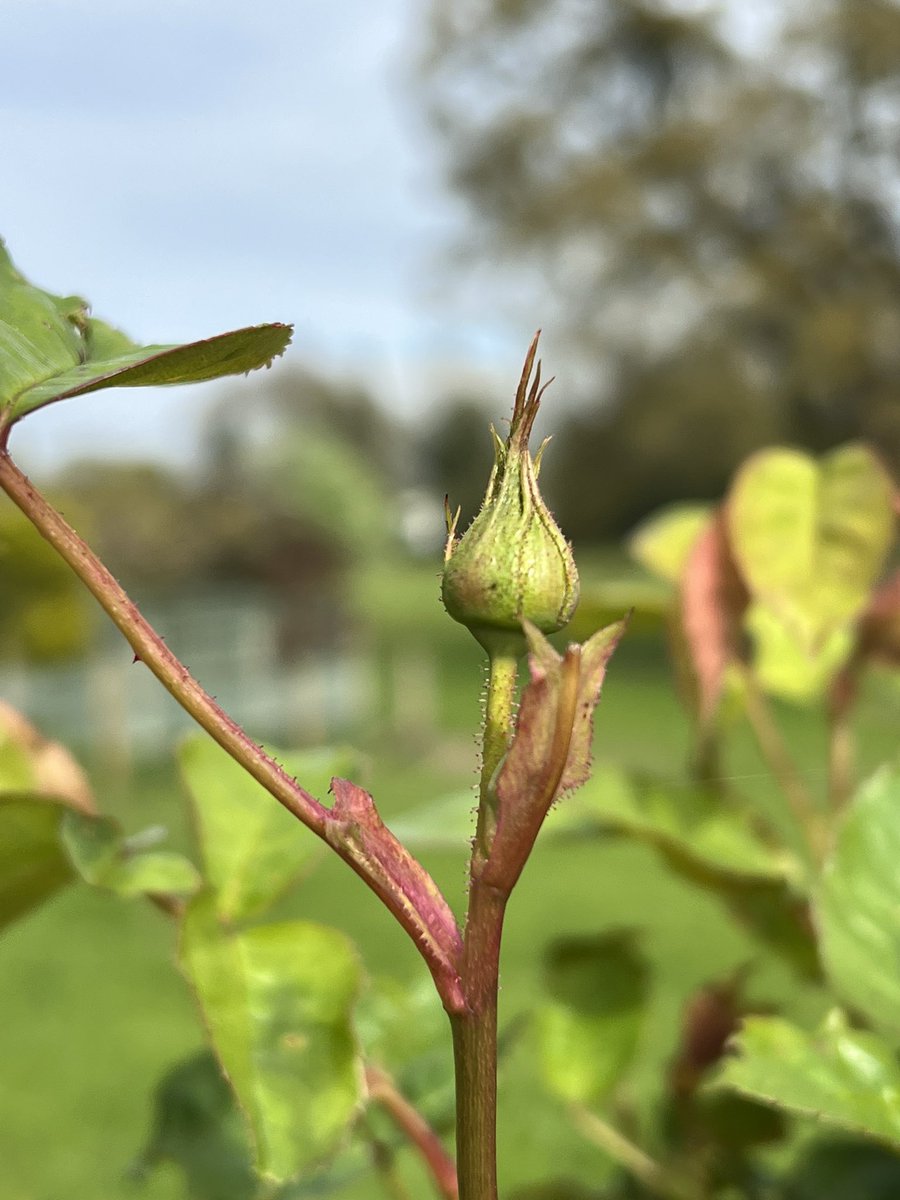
(92, 1010)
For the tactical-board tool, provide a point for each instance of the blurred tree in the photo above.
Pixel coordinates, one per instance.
(703, 201)
(455, 452)
(161, 543)
(44, 616)
(311, 448)
(315, 464)
(296, 483)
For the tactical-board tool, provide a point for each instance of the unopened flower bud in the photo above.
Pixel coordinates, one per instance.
(512, 563)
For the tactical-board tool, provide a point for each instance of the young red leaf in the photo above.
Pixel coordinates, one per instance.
(713, 600)
(551, 748)
(877, 640)
(878, 629)
(359, 835)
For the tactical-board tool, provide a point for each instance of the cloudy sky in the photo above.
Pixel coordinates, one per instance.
(195, 166)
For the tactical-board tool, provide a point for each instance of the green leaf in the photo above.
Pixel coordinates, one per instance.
(102, 858)
(777, 914)
(664, 541)
(839, 1075)
(40, 783)
(399, 1022)
(694, 828)
(41, 335)
(810, 538)
(277, 1001)
(50, 349)
(589, 1027)
(33, 863)
(17, 772)
(253, 849)
(197, 1126)
(446, 823)
(709, 841)
(844, 1168)
(858, 906)
(403, 1028)
(159, 872)
(92, 844)
(786, 667)
(233, 353)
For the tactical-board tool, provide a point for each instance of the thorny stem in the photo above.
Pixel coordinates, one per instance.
(416, 1129)
(494, 870)
(498, 719)
(150, 649)
(475, 1029)
(778, 758)
(475, 1046)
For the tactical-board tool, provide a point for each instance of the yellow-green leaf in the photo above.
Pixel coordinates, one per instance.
(785, 666)
(253, 849)
(839, 1075)
(589, 1025)
(663, 542)
(277, 1000)
(50, 349)
(811, 537)
(858, 906)
(33, 863)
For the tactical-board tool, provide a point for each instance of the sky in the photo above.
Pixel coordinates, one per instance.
(191, 167)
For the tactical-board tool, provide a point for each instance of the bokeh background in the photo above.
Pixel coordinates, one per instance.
(699, 204)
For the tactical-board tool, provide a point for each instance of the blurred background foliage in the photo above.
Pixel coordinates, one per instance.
(43, 614)
(702, 204)
(702, 201)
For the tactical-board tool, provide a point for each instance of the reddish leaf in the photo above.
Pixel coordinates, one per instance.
(843, 691)
(359, 835)
(714, 599)
(551, 749)
(877, 640)
(878, 629)
(712, 1015)
(595, 655)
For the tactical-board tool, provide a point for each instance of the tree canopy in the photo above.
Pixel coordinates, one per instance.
(703, 200)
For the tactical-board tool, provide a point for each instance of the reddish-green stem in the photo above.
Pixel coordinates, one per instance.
(416, 1130)
(503, 660)
(150, 649)
(469, 993)
(475, 1046)
(502, 845)
(475, 1027)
